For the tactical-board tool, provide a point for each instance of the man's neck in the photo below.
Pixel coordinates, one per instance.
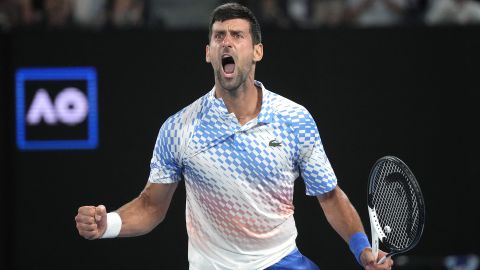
(244, 102)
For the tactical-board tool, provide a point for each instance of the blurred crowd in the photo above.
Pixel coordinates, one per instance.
(188, 14)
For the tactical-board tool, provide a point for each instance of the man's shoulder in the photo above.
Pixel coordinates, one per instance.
(294, 116)
(285, 108)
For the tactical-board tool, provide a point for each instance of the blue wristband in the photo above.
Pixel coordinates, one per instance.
(358, 242)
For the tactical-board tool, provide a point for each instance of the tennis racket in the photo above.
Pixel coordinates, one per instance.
(395, 206)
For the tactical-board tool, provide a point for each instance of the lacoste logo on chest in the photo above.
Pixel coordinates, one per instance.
(274, 143)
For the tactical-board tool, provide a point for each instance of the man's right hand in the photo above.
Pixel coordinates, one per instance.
(91, 221)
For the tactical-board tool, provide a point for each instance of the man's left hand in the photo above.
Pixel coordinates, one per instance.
(370, 262)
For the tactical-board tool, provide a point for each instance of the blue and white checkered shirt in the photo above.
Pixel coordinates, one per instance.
(239, 179)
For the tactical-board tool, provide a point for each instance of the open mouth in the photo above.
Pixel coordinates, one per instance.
(228, 64)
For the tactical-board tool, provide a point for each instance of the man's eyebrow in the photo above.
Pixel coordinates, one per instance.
(236, 31)
(229, 30)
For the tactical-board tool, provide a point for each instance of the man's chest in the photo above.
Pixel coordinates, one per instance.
(262, 154)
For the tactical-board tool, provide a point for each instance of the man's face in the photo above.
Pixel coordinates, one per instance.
(232, 53)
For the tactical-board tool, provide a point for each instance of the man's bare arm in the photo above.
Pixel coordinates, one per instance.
(139, 216)
(340, 213)
(343, 217)
(146, 211)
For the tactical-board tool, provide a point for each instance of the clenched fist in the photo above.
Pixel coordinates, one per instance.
(91, 221)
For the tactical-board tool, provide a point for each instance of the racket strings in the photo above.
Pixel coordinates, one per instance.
(396, 206)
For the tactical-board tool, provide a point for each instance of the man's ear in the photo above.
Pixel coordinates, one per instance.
(207, 54)
(258, 52)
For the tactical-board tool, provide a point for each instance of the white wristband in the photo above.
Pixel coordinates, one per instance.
(114, 224)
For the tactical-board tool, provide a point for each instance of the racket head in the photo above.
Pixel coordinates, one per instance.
(394, 193)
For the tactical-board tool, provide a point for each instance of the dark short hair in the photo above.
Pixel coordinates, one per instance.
(236, 11)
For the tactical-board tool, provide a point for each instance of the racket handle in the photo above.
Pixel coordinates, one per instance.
(375, 243)
(383, 259)
(377, 232)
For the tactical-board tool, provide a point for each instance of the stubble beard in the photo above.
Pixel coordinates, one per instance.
(231, 84)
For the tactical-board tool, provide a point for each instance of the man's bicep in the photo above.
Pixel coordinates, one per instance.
(158, 194)
(329, 196)
(314, 165)
(165, 165)
(317, 172)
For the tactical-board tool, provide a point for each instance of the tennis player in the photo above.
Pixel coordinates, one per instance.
(239, 149)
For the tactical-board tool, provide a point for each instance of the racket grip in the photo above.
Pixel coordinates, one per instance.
(383, 259)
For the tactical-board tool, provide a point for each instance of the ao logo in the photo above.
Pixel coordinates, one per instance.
(56, 108)
(69, 107)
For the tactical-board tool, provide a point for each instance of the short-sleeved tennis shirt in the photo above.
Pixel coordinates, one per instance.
(239, 179)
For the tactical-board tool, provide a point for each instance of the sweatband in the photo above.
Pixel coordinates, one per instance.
(114, 224)
(358, 242)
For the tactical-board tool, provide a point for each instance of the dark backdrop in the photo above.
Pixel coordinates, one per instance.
(409, 92)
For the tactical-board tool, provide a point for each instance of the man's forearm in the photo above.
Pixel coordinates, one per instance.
(340, 213)
(146, 211)
(136, 220)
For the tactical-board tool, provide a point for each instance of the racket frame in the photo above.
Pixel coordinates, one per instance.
(377, 233)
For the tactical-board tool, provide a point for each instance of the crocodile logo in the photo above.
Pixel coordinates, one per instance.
(274, 143)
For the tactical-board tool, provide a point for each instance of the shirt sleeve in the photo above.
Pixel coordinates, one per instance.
(314, 165)
(165, 167)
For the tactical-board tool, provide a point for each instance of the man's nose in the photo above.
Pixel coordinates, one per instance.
(227, 41)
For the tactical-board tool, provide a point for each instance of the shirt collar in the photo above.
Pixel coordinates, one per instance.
(266, 114)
